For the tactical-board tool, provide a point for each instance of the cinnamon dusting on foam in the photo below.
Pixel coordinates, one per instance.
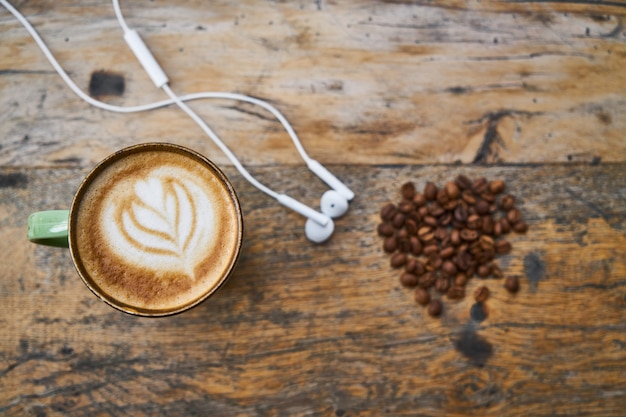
(156, 230)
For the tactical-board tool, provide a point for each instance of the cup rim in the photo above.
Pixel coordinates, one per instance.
(105, 163)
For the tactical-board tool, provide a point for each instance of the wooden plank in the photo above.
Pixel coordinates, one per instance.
(364, 82)
(314, 330)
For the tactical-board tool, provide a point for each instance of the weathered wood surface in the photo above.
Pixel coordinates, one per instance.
(328, 330)
(384, 92)
(363, 82)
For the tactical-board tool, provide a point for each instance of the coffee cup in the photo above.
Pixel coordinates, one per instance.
(153, 230)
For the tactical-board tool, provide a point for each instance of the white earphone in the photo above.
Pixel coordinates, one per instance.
(334, 203)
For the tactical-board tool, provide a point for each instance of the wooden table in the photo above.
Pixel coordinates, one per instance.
(382, 93)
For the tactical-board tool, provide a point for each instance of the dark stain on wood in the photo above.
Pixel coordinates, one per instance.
(535, 269)
(478, 312)
(104, 83)
(14, 180)
(473, 346)
(491, 138)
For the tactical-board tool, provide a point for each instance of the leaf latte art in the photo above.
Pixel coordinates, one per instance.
(164, 223)
(155, 229)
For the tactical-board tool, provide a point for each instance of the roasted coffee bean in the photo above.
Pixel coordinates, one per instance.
(488, 225)
(435, 308)
(502, 246)
(475, 248)
(430, 250)
(463, 260)
(435, 209)
(398, 220)
(397, 260)
(514, 216)
(468, 197)
(425, 234)
(390, 245)
(442, 284)
(497, 229)
(427, 280)
(388, 212)
(402, 234)
(419, 200)
(481, 294)
(505, 225)
(479, 185)
(408, 280)
(511, 284)
(430, 191)
(469, 235)
(408, 190)
(411, 227)
(404, 245)
(463, 182)
(445, 219)
(385, 229)
(520, 227)
(486, 242)
(455, 237)
(430, 221)
(423, 211)
(447, 252)
(474, 222)
(482, 206)
(456, 292)
(423, 231)
(457, 224)
(507, 202)
(410, 265)
(441, 233)
(449, 268)
(471, 270)
(460, 279)
(452, 190)
(483, 271)
(416, 245)
(450, 205)
(406, 206)
(419, 269)
(434, 262)
(421, 296)
(489, 198)
(460, 213)
(496, 186)
(415, 216)
(442, 197)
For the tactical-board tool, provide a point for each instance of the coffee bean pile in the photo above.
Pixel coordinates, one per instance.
(443, 237)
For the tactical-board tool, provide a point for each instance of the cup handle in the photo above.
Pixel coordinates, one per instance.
(49, 228)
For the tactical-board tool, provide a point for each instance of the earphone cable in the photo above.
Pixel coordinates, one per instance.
(157, 104)
(209, 132)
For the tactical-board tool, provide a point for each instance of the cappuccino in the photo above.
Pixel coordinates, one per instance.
(155, 229)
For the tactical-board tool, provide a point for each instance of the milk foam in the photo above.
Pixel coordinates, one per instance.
(164, 224)
(156, 230)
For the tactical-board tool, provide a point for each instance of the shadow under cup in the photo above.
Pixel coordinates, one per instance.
(155, 229)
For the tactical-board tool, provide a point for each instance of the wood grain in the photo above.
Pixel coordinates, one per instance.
(328, 330)
(381, 92)
(364, 82)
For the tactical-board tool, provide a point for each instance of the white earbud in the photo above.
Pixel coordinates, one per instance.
(318, 233)
(333, 204)
(332, 181)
